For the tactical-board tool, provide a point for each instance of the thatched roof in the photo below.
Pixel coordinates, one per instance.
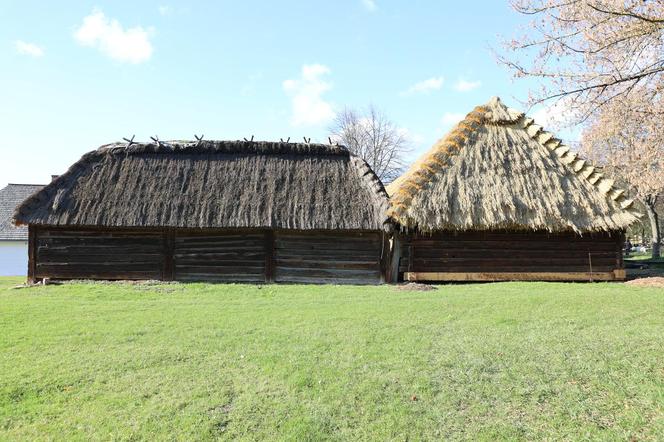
(213, 184)
(499, 170)
(10, 198)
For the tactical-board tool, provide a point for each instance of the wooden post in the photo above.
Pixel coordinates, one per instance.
(32, 254)
(269, 255)
(168, 271)
(385, 259)
(396, 257)
(619, 256)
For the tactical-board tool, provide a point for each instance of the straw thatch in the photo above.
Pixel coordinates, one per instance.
(499, 170)
(213, 184)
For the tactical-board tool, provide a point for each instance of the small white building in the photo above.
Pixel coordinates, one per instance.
(14, 240)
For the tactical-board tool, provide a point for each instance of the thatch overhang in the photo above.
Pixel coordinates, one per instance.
(496, 170)
(213, 184)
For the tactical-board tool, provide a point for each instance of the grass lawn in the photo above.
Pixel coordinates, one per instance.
(201, 361)
(637, 256)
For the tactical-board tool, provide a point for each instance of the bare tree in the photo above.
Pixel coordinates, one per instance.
(374, 138)
(630, 144)
(590, 52)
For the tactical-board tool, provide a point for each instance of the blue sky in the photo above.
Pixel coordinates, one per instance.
(82, 74)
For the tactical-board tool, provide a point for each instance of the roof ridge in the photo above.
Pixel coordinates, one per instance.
(369, 176)
(581, 167)
(220, 146)
(496, 112)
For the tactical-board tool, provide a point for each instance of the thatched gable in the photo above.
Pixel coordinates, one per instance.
(213, 184)
(499, 170)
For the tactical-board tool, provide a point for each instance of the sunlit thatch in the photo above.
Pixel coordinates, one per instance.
(499, 170)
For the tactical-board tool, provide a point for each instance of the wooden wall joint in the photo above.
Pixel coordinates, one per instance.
(619, 250)
(385, 259)
(269, 256)
(168, 236)
(32, 254)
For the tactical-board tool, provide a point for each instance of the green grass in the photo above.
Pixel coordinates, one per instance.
(200, 361)
(644, 257)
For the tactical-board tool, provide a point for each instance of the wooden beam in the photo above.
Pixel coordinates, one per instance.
(385, 258)
(395, 258)
(168, 273)
(32, 254)
(616, 275)
(620, 241)
(269, 256)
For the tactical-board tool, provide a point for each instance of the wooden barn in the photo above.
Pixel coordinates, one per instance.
(498, 198)
(213, 211)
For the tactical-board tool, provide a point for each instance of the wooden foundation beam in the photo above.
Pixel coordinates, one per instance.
(616, 275)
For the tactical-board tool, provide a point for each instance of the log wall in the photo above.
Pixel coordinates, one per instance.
(248, 255)
(220, 257)
(349, 258)
(513, 253)
(86, 254)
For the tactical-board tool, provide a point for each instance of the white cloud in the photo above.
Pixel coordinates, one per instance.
(130, 45)
(309, 107)
(464, 85)
(370, 5)
(165, 10)
(425, 86)
(25, 48)
(451, 118)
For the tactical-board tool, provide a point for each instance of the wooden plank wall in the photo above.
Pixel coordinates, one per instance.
(249, 255)
(32, 254)
(330, 257)
(509, 252)
(86, 254)
(230, 256)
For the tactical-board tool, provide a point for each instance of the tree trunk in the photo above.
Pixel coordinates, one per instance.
(650, 203)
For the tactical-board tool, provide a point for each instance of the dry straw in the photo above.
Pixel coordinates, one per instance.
(497, 169)
(213, 184)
